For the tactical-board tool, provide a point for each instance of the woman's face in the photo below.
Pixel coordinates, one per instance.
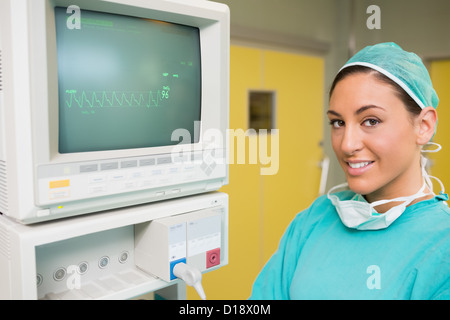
(374, 138)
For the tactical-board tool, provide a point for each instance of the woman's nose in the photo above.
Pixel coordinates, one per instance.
(351, 141)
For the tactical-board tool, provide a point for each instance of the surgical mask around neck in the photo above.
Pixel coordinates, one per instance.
(357, 213)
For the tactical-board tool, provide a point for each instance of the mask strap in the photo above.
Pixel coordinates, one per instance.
(424, 161)
(440, 183)
(439, 147)
(425, 174)
(339, 186)
(407, 200)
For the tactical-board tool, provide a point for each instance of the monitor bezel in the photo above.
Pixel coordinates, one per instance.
(44, 75)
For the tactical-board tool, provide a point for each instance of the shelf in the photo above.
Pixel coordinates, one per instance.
(123, 285)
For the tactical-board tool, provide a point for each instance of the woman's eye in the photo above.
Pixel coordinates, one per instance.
(337, 123)
(371, 122)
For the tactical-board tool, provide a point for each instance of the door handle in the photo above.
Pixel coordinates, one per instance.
(325, 165)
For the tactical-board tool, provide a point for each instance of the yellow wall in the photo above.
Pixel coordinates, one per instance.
(440, 75)
(298, 81)
(261, 206)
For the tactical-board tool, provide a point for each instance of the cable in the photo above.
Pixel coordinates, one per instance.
(192, 277)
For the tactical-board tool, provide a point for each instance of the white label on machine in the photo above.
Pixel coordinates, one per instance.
(177, 241)
(203, 244)
(204, 234)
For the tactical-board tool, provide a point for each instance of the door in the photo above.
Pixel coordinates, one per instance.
(267, 190)
(440, 76)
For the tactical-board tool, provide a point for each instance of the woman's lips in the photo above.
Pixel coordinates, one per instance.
(356, 168)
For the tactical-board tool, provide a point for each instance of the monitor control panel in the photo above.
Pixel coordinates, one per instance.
(61, 183)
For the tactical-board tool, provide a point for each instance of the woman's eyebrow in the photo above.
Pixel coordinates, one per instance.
(357, 112)
(332, 112)
(364, 108)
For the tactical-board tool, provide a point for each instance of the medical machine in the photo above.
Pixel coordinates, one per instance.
(110, 103)
(181, 246)
(117, 254)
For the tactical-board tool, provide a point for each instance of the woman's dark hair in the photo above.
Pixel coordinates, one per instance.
(409, 102)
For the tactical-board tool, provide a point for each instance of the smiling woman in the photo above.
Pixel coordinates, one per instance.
(382, 111)
(370, 126)
(388, 236)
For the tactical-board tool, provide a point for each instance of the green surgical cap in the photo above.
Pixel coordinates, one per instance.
(404, 68)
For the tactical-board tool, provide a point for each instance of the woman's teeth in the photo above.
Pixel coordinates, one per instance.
(359, 164)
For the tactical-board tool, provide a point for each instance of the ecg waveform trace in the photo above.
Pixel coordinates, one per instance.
(104, 99)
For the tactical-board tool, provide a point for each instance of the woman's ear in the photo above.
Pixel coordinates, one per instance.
(426, 125)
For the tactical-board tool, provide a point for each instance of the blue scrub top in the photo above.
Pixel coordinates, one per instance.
(320, 258)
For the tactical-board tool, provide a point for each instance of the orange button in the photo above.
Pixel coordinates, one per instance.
(59, 184)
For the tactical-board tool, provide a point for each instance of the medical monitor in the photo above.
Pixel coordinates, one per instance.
(125, 82)
(106, 104)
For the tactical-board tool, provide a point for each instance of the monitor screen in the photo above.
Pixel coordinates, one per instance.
(125, 82)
